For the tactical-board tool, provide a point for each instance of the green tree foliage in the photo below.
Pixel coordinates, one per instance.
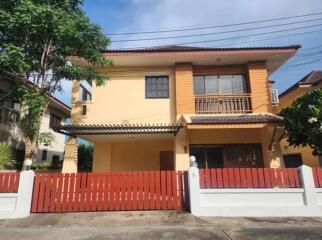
(46, 138)
(37, 39)
(6, 156)
(303, 121)
(38, 36)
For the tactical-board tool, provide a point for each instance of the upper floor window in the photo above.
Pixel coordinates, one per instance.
(219, 84)
(85, 91)
(54, 120)
(156, 87)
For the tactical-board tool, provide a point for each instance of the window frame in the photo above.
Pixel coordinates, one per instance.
(44, 155)
(51, 122)
(219, 90)
(157, 97)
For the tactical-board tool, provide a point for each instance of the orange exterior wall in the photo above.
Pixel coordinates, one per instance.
(259, 88)
(185, 102)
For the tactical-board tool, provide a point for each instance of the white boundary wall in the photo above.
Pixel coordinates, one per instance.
(252, 202)
(18, 205)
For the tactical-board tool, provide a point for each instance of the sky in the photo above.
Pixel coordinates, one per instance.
(119, 16)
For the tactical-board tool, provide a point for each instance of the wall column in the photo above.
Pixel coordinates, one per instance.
(181, 150)
(185, 102)
(70, 156)
(259, 87)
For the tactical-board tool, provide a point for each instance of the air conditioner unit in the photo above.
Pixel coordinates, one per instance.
(274, 96)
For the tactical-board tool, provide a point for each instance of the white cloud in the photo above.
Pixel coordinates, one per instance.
(165, 14)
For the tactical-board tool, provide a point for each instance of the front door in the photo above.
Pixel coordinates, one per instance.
(166, 161)
(208, 156)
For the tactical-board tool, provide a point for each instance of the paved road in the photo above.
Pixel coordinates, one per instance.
(157, 225)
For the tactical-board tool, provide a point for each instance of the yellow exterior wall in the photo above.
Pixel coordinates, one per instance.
(259, 88)
(129, 156)
(306, 152)
(122, 99)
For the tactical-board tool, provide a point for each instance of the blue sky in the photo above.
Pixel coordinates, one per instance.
(116, 16)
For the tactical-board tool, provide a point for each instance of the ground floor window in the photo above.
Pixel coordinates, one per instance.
(293, 160)
(228, 155)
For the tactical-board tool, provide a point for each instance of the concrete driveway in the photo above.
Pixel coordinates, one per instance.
(157, 225)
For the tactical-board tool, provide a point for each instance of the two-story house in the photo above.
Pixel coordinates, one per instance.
(296, 156)
(10, 131)
(162, 105)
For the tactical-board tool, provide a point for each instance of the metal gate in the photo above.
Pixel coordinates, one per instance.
(122, 191)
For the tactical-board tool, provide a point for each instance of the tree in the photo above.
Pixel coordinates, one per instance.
(6, 156)
(303, 121)
(37, 37)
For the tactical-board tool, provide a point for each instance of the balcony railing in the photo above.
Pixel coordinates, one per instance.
(9, 115)
(207, 104)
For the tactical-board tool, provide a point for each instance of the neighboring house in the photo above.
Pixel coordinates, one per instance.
(10, 131)
(294, 157)
(162, 105)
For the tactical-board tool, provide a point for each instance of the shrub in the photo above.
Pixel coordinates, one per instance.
(6, 156)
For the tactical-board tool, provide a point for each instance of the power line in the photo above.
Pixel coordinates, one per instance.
(214, 26)
(214, 33)
(232, 38)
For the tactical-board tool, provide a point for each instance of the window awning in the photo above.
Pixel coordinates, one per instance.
(117, 129)
(222, 119)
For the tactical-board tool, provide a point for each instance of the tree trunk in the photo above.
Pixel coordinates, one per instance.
(30, 152)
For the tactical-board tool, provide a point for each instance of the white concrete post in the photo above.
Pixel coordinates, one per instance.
(194, 190)
(25, 189)
(307, 180)
(18, 205)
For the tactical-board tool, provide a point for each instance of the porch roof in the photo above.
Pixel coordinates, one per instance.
(234, 119)
(117, 129)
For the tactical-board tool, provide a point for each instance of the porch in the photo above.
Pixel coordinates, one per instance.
(168, 147)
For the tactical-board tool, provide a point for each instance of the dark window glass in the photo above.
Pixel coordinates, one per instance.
(54, 120)
(44, 155)
(157, 87)
(292, 160)
(84, 110)
(208, 156)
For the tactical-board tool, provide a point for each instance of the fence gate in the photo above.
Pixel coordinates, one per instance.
(81, 192)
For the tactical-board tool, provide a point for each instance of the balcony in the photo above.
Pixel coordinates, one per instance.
(223, 104)
(9, 115)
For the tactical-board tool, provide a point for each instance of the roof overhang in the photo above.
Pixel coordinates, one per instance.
(224, 120)
(273, 56)
(117, 129)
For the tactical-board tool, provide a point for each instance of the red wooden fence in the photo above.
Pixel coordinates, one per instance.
(317, 175)
(82, 192)
(249, 178)
(9, 182)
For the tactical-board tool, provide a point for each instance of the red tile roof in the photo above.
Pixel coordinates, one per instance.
(236, 119)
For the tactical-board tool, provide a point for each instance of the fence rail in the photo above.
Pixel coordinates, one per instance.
(249, 178)
(9, 182)
(208, 104)
(81, 192)
(317, 176)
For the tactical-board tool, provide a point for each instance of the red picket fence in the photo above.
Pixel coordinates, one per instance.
(317, 175)
(80, 192)
(9, 182)
(249, 178)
